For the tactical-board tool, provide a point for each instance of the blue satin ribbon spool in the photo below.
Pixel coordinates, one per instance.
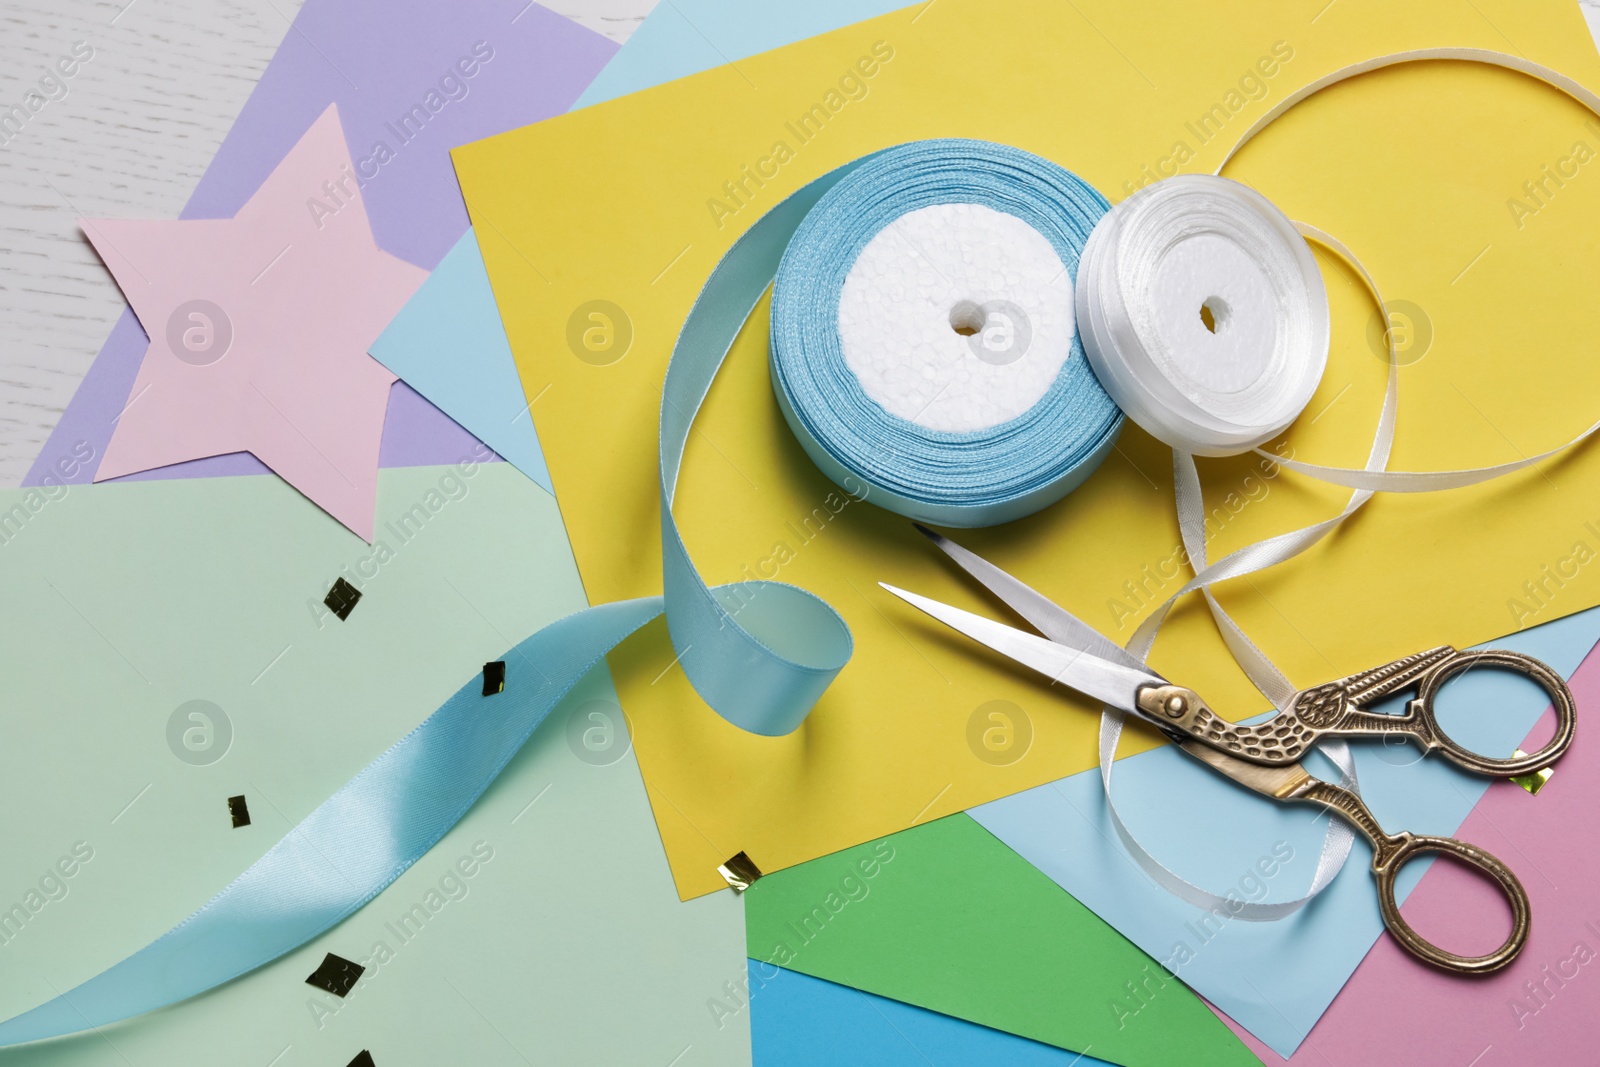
(979, 477)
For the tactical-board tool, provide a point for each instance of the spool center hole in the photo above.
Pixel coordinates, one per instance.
(1214, 312)
(967, 318)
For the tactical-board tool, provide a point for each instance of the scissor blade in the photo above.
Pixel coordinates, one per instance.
(1277, 782)
(1110, 683)
(1048, 617)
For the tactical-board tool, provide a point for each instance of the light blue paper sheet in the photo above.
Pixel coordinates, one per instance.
(800, 1021)
(447, 343)
(683, 37)
(1275, 979)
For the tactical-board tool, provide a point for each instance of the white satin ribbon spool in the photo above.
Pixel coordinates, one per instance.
(1203, 313)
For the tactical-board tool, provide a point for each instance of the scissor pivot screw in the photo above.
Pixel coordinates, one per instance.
(1175, 706)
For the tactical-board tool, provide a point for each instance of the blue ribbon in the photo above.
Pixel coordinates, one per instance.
(760, 653)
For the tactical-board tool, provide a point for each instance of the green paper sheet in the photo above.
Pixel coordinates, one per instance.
(124, 603)
(946, 917)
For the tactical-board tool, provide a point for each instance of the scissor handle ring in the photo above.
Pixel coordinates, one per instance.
(1386, 864)
(1547, 679)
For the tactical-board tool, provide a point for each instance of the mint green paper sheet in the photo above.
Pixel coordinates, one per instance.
(565, 943)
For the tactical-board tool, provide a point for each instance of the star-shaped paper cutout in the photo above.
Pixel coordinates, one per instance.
(259, 327)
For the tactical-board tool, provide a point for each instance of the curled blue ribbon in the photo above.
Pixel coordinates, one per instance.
(760, 653)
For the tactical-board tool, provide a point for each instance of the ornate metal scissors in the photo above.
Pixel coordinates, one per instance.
(1265, 757)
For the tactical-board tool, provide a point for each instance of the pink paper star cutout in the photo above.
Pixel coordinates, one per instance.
(259, 327)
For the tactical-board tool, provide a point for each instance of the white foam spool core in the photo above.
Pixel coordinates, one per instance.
(957, 317)
(1204, 314)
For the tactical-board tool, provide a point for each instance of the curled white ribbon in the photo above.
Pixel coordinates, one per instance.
(1371, 478)
(1260, 669)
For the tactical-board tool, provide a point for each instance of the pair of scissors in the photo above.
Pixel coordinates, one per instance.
(1266, 757)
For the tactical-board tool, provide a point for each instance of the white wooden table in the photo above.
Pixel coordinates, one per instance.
(136, 127)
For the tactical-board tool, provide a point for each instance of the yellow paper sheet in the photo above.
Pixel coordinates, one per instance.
(1414, 168)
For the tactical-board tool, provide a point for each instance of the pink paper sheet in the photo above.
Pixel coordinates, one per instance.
(259, 327)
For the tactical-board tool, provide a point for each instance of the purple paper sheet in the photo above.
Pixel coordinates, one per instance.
(379, 62)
